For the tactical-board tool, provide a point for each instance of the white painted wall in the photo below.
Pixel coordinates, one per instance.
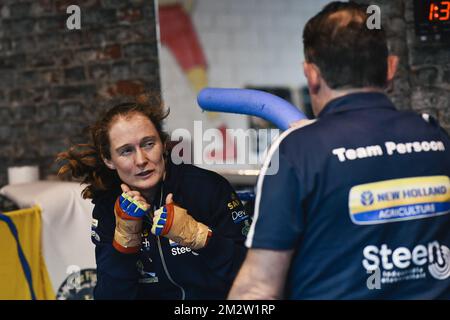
(246, 43)
(257, 42)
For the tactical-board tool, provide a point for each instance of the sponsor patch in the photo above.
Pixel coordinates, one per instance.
(150, 279)
(246, 228)
(407, 264)
(239, 215)
(145, 276)
(182, 250)
(145, 244)
(95, 236)
(399, 199)
(233, 204)
(177, 249)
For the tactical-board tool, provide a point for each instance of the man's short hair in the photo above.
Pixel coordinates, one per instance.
(347, 52)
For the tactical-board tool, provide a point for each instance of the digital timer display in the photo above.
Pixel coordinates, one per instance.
(432, 19)
(439, 11)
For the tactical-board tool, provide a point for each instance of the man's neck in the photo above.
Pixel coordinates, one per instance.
(330, 94)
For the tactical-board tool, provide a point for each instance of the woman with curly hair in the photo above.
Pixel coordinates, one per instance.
(161, 231)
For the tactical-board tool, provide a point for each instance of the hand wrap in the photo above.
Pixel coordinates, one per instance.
(128, 232)
(173, 222)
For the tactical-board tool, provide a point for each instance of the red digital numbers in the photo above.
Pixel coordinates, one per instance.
(446, 10)
(439, 12)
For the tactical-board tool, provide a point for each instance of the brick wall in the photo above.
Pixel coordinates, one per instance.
(54, 81)
(423, 81)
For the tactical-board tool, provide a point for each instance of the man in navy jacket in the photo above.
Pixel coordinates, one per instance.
(359, 207)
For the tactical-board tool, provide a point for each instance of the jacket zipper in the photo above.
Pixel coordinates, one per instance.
(161, 255)
(183, 295)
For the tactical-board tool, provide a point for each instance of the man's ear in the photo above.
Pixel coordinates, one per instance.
(109, 164)
(312, 75)
(392, 64)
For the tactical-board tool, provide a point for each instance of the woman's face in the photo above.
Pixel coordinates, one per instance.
(136, 151)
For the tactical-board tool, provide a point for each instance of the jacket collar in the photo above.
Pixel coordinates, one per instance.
(171, 182)
(356, 101)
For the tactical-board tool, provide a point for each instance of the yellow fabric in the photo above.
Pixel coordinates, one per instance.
(13, 283)
(198, 78)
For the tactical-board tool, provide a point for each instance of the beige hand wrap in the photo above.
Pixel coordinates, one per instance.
(128, 232)
(183, 229)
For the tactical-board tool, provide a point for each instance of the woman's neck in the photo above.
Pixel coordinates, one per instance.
(150, 194)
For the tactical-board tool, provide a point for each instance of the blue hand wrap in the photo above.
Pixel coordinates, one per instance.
(131, 207)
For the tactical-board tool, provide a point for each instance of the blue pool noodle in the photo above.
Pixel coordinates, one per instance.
(251, 102)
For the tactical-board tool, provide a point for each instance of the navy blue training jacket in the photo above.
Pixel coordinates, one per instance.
(362, 196)
(163, 269)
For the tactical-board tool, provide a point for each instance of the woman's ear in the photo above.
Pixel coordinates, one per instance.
(109, 164)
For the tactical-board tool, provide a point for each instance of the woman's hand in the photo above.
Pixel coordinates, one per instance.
(135, 196)
(175, 223)
(129, 209)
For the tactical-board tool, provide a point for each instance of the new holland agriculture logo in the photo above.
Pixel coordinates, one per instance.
(399, 200)
(367, 198)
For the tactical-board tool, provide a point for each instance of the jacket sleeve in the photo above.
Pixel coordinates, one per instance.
(229, 223)
(117, 275)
